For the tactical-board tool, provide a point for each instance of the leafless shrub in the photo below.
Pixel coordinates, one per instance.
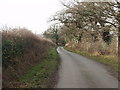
(35, 48)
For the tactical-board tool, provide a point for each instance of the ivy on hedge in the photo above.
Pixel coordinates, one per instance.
(12, 49)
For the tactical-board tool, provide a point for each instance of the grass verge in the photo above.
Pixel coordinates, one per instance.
(108, 60)
(40, 75)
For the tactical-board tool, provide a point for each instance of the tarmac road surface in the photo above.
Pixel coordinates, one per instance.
(77, 71)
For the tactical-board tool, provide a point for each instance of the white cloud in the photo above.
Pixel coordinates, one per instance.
(32, 14)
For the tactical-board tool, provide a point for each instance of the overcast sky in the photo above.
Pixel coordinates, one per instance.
(32, 14)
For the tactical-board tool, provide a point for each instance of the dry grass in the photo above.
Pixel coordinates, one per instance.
(34, 49)
(97, 48)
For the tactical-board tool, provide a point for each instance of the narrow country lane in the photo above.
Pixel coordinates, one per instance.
(77, 71)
